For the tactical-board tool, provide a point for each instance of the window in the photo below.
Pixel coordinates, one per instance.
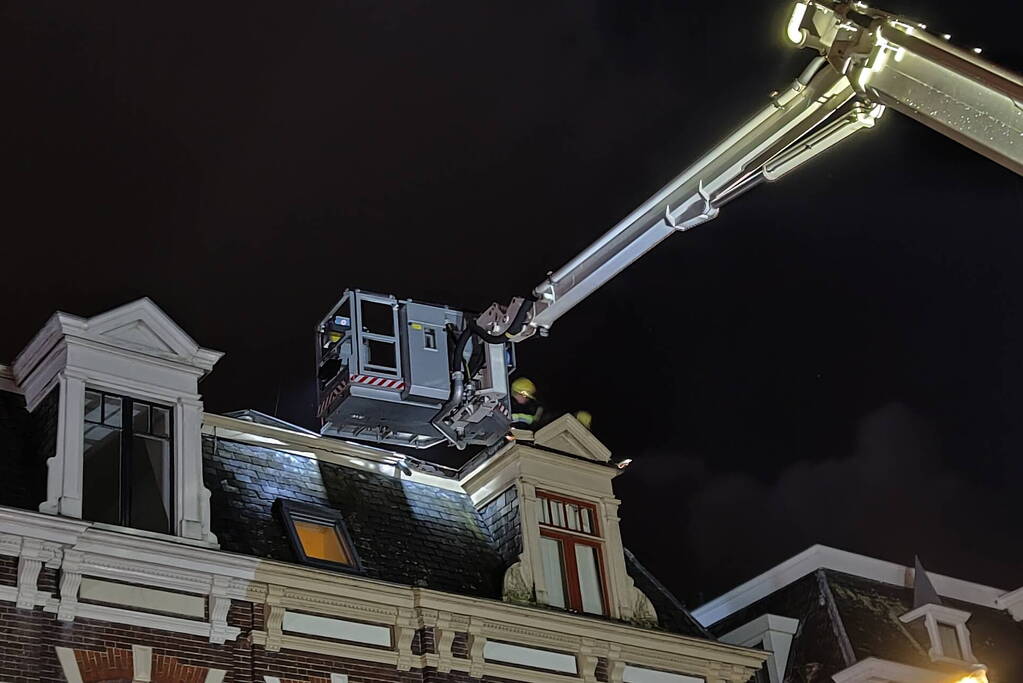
(318, 535)
(128, 462)
(949, 637)
(947, 631)
(563, 513)
(571, 555)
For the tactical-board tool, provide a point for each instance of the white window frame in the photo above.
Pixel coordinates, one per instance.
(932, 616)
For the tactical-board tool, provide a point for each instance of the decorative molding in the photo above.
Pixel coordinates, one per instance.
(587, 659)
(70, 582)
(164, 563)
(142, 663)
(823, 557)
(34, 553)
(568, 435)
(447, 625)
(134, 350)
(274, 618)
(477, 644)
(219, 604)
(10, 545)
(405, 631)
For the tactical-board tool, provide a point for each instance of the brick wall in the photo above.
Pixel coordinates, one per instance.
(8, 571)
(29, 638)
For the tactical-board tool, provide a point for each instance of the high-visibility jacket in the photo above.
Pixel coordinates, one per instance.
(526, 415)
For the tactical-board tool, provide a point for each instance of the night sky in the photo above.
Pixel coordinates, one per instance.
(838, 358)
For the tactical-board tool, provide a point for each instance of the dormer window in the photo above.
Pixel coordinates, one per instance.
(947, 631)
(127, 470)
(572, 558)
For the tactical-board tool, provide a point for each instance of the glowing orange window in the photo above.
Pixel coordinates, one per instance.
(321, 541)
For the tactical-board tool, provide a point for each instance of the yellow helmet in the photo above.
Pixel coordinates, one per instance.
(585, 419)
(524, 386)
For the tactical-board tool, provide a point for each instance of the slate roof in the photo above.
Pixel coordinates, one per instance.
(403, 532)
(844, 619)
(22, 442)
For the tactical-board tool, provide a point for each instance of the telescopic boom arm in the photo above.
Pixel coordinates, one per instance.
(868, 60)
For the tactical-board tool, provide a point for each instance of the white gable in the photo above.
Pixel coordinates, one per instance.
(567, 435)
(142, 326)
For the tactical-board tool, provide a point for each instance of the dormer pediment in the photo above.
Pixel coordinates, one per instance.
(139, 331)
(140, 326)
(567, 435)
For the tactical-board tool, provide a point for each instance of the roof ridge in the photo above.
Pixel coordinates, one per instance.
(844, 644)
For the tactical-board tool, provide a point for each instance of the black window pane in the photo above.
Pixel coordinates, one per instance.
(377, 318)
(112, 411)
(151, 484)
(160, 418)
(140, 418)
(381, 354)
(93, 407)
(101, 501)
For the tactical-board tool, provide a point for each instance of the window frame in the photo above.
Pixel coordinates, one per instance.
(127, 436)
(595, 532)
(573, 591)
(292, 510)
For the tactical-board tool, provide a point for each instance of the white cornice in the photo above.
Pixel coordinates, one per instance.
(1013, 602)
(168, 565)
(824, 557)
(940, 612)
(873, 669)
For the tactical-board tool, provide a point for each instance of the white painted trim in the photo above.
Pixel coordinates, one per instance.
(215, 676)
(339, 678)
(271, 679)
(68, 664)
(636, 674)
(1013, 603)
(281, 586)
(339, 629)
(518, 655)
(956, 618)
(142, 663)
(772, 631)
(142, 598)
(134, 350)
(871, 670)
(822, 557)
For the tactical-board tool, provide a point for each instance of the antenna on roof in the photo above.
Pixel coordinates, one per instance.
(923, 589)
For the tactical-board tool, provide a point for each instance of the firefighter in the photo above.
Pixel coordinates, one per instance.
(585, 419)
(526, 410)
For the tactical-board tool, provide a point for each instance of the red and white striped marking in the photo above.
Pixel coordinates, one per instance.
(381, 382)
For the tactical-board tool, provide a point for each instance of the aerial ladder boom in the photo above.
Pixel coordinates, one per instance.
(422, 373)
(869, 59)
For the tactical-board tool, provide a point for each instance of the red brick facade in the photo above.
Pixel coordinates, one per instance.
(103, 651)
